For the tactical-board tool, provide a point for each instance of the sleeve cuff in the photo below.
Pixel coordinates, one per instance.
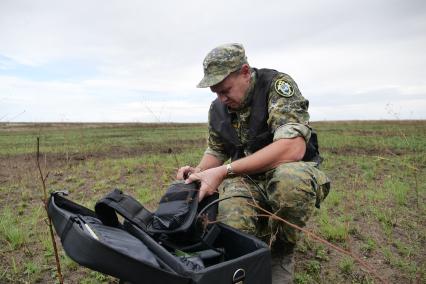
(221, 157)
(292, 130)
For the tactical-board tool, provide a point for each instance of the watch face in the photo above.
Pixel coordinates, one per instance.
(229, 169)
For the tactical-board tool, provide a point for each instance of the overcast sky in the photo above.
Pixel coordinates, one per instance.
(139, 61)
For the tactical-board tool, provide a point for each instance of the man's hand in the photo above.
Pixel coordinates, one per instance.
(210, 180)
(186, 171)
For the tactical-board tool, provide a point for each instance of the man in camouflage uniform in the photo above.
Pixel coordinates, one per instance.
(260, 121)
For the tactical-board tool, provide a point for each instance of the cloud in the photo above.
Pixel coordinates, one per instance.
(84, 101)
(372, 111)
(98, 61)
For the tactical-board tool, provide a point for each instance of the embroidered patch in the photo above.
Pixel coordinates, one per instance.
(283, 88)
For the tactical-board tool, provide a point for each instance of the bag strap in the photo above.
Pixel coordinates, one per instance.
(124, 205)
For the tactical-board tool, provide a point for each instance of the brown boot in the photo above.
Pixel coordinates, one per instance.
(282, 264)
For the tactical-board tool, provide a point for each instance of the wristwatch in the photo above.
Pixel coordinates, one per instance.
(229, 170)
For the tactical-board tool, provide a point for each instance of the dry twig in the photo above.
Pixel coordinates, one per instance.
(315, 237)
(52, 237)
(321, 240)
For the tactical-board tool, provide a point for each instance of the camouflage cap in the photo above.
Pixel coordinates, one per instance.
(220, 62)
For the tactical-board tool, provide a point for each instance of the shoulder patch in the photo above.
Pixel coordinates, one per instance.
(283, 88)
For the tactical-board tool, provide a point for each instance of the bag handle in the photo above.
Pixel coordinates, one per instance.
(124, 205)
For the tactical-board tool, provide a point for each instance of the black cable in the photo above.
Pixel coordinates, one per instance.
(262, 192)
(257, 186)
(203, 234)
(220, 200)
(204, 209)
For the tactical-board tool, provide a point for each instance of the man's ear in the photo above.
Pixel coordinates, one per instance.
(245, 69)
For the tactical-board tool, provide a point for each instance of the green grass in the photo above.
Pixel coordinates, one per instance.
(398, 189)
(332, 229)
(85, 139)
(32, 270)
(303, 278)
(12, 231)
(376, 208)
(368, 246)
(346, 265)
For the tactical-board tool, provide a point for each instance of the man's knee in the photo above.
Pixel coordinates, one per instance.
(238, 212)
(239, 215)
(292, 195)
(291, 185)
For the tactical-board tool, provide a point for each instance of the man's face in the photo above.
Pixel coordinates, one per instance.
(232, 89)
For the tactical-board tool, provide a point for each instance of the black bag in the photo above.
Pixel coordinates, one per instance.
(141, 250)
(175, 221)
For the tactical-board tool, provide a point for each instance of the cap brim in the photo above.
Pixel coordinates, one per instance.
(209, 81)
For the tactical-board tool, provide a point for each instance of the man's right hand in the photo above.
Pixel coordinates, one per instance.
(186, 171)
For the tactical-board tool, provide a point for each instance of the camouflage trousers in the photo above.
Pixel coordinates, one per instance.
(290, 191)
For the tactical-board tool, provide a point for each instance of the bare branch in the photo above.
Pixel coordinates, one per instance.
(321, 240)
(45, 200)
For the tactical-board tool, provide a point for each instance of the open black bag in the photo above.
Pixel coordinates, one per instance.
(133, 252)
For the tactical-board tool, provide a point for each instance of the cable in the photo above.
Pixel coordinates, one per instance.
(257, 186)
(220, 200)
(262, 192)
(205, 208)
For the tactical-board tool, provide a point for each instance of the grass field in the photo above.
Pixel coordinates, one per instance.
(376, 208)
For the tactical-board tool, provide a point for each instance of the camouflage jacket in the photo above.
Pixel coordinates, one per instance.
(288, 115)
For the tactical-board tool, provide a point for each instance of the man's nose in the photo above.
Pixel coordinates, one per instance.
(222, 98)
